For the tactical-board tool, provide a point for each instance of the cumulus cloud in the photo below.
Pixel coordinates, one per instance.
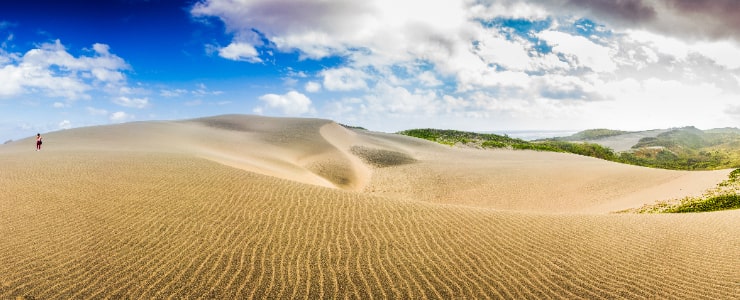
(429, 79)
(621, 11)
(55, 72)
(495, 48)
(240, 51)
(120, 116)
(132, 102)
(399, 100)
(344, 79)
(580, 51)
(66, 124)
(391, 30)
(291, 103)
(460, 58)
(714, 19)
(313, 87)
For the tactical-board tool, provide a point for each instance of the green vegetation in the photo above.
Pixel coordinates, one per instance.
(722, 202)
(485, 140)
(352, 127)
(685, 148)
(591, 134)
(723, 197)
(452, 137)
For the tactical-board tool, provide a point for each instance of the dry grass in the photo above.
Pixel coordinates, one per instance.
(170, 224)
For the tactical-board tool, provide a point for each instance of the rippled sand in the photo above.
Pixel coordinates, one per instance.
(255, 207)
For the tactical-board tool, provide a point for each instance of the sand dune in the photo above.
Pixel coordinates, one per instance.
(255, 207)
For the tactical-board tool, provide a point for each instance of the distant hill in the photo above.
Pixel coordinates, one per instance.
(592, 134)
(616, 140)
(686, 148)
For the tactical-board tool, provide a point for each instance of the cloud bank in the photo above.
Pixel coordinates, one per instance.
(538, 61)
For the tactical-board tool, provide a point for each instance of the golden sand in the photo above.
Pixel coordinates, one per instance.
(252, 207)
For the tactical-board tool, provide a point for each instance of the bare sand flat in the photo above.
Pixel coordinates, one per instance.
(253, 207)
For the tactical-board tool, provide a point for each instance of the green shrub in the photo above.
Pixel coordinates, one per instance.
(722, 202)
(493, 144)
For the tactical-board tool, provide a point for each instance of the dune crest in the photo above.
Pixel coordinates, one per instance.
(324, 153)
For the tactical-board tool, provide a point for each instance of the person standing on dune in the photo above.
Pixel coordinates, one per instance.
(38, 142)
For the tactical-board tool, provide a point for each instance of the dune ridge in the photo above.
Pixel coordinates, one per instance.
(255, 207)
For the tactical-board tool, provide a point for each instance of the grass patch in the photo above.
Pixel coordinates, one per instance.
(723, 202)
(452, 137)
(723, 197)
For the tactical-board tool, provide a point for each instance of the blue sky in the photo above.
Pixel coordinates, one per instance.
(381, 64)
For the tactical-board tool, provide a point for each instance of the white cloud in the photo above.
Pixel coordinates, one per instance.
(172, 93)
(562, 87)
(662, 103)
(443, 58)
(723, 52)
(95, 111)
(11, 81)
(497, 49)
(343, 108)
(50, 69)
(202, 90)
(344, 79)
(488, 78)
(313, 87)
(291, 103)
(120, 116)
(390, 29)
(106, 75)
(428, 79)
(132, 102)
(660, 43)
(390, 99)
(509, 9)
(582, 51)
(241, 52)
(59, 105)
(66, 124)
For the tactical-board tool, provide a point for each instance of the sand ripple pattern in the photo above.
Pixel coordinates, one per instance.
(144, 226)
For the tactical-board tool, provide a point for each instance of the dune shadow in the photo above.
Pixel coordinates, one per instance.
(381, 158)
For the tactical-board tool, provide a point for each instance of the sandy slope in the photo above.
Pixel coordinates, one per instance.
(237, 206)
